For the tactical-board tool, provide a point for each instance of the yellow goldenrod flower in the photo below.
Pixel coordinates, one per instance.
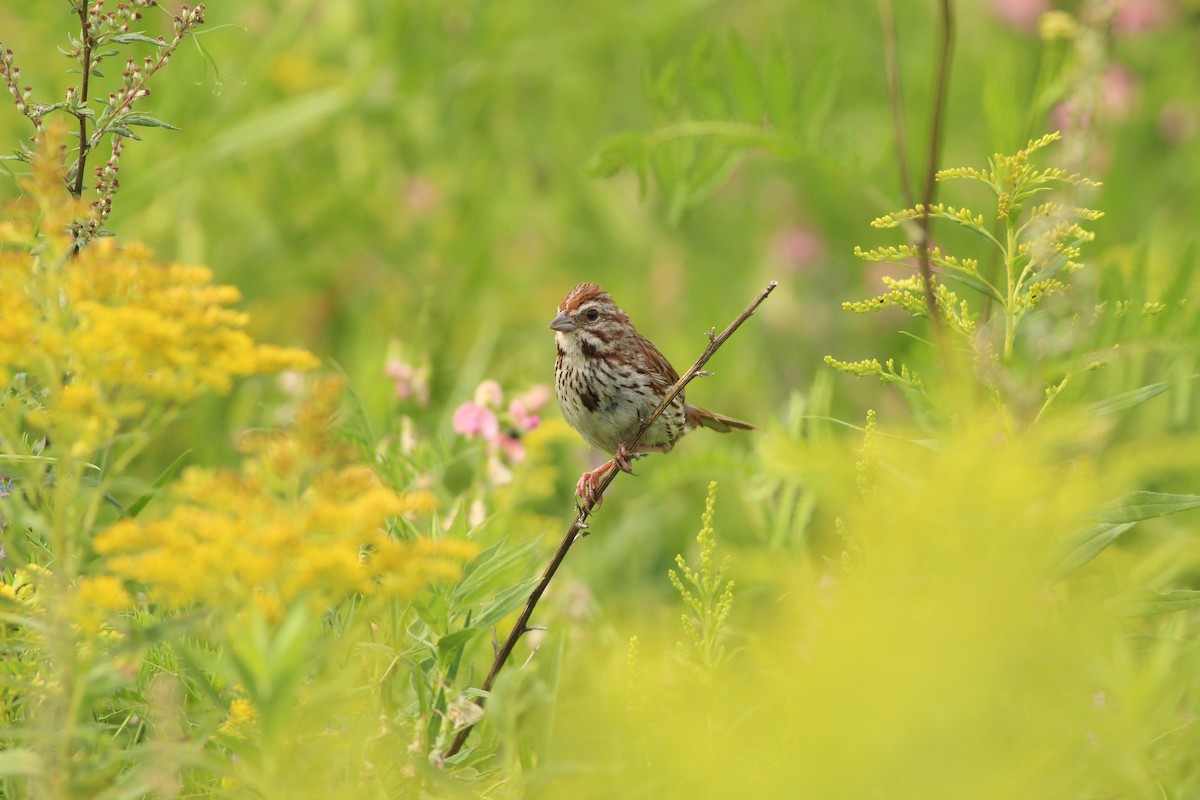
(107, 333)
(281, 529)
(242, 718)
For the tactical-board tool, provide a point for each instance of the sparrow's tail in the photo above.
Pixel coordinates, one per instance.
(701, 417)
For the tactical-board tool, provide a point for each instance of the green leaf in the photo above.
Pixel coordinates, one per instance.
(1145, 603)
(744, 78)
(451, 642)
(162, 480)
(146, 121)
(1115, 520)
(710, 171)
(504, 603)
(617, 153)
(971, 281)
(1085, 545)
(1137, 506)
(1128, 399)
(121, 130)
(779, 90)
(128, 38)
(479, 573)
(353, 420)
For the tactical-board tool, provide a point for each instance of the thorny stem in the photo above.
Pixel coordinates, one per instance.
(579, 524)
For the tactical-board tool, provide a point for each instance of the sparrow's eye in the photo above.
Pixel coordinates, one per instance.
(592, 315)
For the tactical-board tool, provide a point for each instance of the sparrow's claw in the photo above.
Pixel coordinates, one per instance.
(623, 457)
(587, 490)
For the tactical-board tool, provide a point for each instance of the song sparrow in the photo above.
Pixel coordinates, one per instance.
(609, 378)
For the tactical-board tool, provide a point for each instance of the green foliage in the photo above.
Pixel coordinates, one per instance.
(103, 36)
(1035, 245)
(708, 594)
(999, 564)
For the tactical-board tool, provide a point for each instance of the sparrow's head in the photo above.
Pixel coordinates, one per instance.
(589, 317)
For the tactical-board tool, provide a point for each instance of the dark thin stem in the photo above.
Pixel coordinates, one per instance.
(891, 67)
(942, 82)
(86, 64)
(579, 524)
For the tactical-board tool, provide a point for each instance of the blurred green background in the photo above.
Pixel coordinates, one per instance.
(370, 171)
(415, 181)
(412, 178)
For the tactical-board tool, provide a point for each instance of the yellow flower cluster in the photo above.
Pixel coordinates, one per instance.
(102, 336)
(229, 540)
(97, 598)
(90, 604)
(243, 717)
(294, 523)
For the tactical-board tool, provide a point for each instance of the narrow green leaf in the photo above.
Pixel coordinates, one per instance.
(710, 171)
(479, 573)
(162, 480)
(1085, 545)
(146, 121)
(353, 419)
(617, 153)
(1145, 603)
(504, 603)
(450, 642)
(745, 81)
(779, 89)
(1128, 399)
(128, 38)
(121, 130)
(1137, 506)
(971, 281)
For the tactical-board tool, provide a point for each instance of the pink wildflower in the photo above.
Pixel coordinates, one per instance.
(521, 416)
(797, 248)
(1139, 16)
(409, 381)
(1020, 14)
(511, 448)
(471, 419)
(536, 398)
(489, 394)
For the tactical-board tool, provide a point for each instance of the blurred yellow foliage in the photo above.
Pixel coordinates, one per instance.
(297, 521)
(942, 658)
(103, 335)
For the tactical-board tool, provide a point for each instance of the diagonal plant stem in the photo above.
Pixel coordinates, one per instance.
(579, 524)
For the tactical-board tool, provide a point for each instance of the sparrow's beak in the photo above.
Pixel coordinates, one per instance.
(562, 323)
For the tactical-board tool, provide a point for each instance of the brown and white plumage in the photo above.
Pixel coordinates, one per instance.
(609, 378)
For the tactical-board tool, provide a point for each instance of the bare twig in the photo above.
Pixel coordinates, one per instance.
(942, 81)
(941, 84)
(891, 67)
(579, 524)
(85, 61)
